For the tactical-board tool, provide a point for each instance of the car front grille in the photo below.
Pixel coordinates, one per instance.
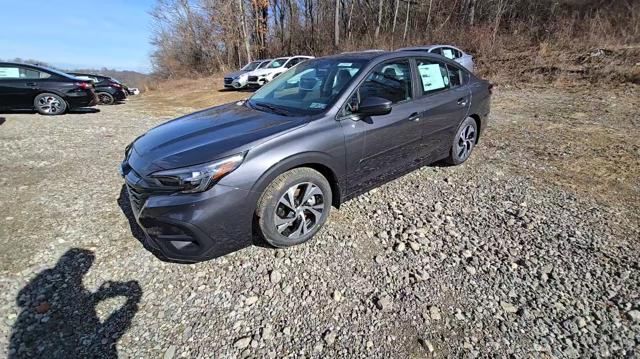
(228, 80)
(137, 197)
(253, 78)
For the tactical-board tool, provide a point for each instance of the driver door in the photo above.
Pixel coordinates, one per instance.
(382, 148)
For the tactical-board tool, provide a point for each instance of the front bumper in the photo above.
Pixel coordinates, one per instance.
(235, 83)
(192, 227)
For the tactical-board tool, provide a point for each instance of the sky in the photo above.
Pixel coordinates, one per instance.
(78, 33)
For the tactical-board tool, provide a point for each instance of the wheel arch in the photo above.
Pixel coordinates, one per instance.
(478, 120)
(316, 160)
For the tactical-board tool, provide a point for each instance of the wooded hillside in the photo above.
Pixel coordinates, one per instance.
(198, 37)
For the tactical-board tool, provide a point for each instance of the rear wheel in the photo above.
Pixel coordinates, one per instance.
(49, 104)
(294, 207)
(463, 142)
(105, 98)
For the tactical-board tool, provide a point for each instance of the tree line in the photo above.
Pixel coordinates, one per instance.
(206, 36)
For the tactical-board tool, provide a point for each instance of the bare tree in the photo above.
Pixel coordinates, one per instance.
(336, 25)
(243, 24)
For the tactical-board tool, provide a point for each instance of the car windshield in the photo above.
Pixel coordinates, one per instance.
(264, 64)
(251, 66)
(309, 88)
(277, 63)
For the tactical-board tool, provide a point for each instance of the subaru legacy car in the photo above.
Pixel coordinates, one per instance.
(108, 89)
(272, 166)
(448, 51)
(238, 80)
(48, 91)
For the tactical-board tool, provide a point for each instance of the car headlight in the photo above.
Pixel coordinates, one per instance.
(198, 178)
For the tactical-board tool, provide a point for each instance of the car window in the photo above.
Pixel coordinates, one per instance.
(16, 72)
(433, 76)
(264, 64)
(276, 63)
(310, 87)
(456, 76)
(251, 66)
(391, 80)
(292, 62)
(448, 53)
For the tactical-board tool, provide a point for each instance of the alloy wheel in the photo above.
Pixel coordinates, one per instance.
(466, 141)
(49, 104)
(104, 99)
(299, 210)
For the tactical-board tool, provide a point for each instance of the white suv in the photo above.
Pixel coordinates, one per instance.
(259, 77)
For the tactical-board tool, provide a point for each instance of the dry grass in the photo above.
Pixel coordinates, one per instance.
(177, 96)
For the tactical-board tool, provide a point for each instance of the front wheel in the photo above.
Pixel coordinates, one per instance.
(49, 104)
(294, 207)
(463, 142)
(105, 98)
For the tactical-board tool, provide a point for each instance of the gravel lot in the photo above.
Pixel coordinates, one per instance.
(531, 248)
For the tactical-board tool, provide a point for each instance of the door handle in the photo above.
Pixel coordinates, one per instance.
(462, 101)
(414, 117)
(32, 84)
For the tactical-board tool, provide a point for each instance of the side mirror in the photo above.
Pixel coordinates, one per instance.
(374, 106)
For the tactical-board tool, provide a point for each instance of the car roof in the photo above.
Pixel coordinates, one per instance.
(360, 55)
(37, 67)
(427, 47)
(86, 74)
(381, 56)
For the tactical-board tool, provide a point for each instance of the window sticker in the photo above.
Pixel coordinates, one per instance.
(448, 53)
(317, 105)
(345, 64)
(9, 72)
(431, 77)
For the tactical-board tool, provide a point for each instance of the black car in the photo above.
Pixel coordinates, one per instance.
(108, 89)
(48, 91)
(323, 132)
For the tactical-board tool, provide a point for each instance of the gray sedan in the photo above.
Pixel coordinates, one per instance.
(448, 51)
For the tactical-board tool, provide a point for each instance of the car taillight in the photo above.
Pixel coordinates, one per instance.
(116, 85)
(84, 85)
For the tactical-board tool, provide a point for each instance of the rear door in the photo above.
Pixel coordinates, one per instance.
(444, 100)
(19, 85)
(380, 148)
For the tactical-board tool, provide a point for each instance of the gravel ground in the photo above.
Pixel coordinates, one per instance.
(529, 249)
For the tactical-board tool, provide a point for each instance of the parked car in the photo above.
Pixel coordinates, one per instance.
(48, 91)
(108, 89)
(258, 78)
(317, 135)
(448, 51)
(238, 80)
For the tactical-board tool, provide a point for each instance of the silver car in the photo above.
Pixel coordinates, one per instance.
(448, 51)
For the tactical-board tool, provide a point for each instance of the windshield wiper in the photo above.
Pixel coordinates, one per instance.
(274, 109)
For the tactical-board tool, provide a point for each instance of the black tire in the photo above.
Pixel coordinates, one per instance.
(50, 104)
(464, 142)
(270, 206)
(105, 98)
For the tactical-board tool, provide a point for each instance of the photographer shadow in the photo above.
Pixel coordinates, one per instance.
(58, 317)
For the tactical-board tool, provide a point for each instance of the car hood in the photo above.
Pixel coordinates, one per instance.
(259, 72)
(206, 136)
(237, 73)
